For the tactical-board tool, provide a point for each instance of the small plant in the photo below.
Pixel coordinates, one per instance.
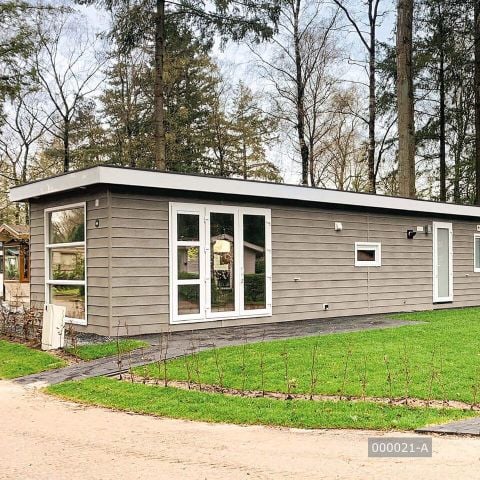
(313, 371)
(119, 353)
(220, 373)
(262, 365)
(389, 378)
(432, 377)
(406, 372)
(243, 367)
(346, 362)
(290, 383)
(363, 378)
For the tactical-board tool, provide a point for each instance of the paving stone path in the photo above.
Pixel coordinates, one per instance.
(182, 342)
(462, 427)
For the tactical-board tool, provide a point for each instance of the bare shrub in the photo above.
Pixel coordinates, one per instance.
(313, 371)
(346, 362)
(22, 323)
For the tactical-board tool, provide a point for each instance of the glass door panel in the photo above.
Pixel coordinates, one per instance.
(442, 262)
(222, 262)
(254, 265)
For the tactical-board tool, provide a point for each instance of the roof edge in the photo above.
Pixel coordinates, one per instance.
(205, 184)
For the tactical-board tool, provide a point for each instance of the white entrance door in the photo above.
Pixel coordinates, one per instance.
(442, 262)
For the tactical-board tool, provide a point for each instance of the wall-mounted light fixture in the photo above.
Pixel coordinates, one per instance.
(97, 222)
(338, 226)
(411, 234)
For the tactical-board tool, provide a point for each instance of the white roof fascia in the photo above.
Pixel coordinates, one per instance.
(172, 181)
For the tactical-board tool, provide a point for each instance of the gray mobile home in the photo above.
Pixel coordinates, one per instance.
(144, 251)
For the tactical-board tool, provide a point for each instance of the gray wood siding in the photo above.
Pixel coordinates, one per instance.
(312, 264)
(139, 263)
(97, 255)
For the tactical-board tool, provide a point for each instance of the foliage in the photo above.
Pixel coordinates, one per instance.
(212, 407)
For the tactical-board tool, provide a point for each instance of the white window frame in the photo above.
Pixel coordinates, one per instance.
(376, 246)
(436, 298)
(476, 237)
(48, 246)
(204, 211)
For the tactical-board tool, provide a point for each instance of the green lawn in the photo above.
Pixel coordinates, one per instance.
(107, 349)
(437, 359)
(17, 360)
(210, 407)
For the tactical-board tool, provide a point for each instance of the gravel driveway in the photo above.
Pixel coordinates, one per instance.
(45, 438)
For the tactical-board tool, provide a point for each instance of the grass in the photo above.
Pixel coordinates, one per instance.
(211, 407)
(17, 360)
(107, 349)
(437, 359)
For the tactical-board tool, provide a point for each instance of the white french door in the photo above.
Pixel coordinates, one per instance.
(220, 262)
(442, 262)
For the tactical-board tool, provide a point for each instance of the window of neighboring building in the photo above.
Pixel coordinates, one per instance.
(220, 260)
(16, 264)
(368, 254)
(65, 260)
(476, 253)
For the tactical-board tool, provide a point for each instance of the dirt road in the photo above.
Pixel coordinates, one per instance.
(45, 438)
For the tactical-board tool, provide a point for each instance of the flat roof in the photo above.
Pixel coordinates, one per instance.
(121, 176)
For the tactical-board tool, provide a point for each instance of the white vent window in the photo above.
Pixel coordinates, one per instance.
(368, 254)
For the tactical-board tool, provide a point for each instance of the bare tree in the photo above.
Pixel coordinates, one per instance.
(342, 152)
(477, 98)
(406, 126)
(68, 70)
(367, 34)
(300, 71)
(24, 126)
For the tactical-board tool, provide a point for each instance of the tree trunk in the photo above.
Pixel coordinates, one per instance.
(406, 127)
(372, 110)
(244, 159)
(443, 157)
(160, 161)
(66, 146)
(300, 94)
(477, 101)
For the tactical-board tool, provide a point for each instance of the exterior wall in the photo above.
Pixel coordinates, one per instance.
(98, 291)
(312, 263)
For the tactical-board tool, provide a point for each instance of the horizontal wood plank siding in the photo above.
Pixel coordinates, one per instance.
(313, 265)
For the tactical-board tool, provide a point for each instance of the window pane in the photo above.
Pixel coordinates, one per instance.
(67, 226)
(366, 255)
(222, 262)
(12, 263)
(254, 262)
(188, 299)
(67, 263)
(71, 297)
(477, 252)
(187, 227)
(188, 263)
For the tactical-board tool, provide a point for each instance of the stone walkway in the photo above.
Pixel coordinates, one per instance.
(462, 427)
(181, 343)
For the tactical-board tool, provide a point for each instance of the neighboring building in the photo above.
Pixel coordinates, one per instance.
(15, 271)
(143, 252)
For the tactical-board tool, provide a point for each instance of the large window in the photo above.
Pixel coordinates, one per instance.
(220, 260)
(65, 252)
